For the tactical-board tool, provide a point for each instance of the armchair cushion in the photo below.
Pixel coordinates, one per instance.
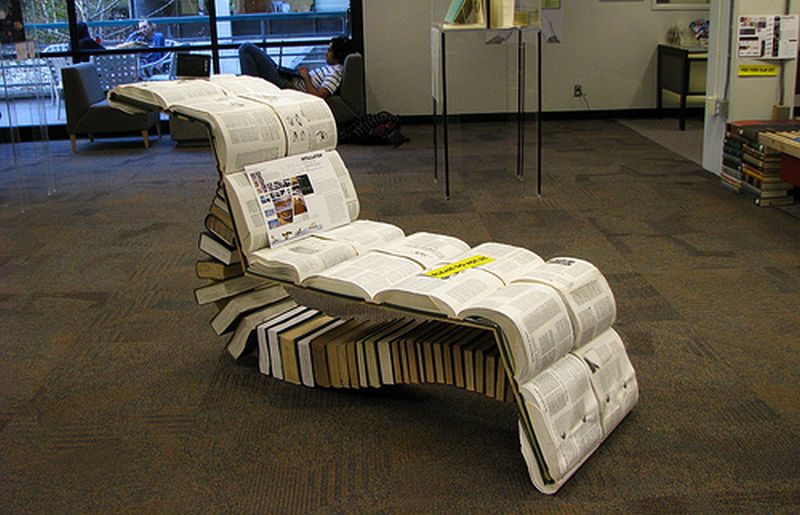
(87, 108)
(350, 101)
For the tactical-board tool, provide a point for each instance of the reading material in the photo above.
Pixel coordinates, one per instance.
(251, 120)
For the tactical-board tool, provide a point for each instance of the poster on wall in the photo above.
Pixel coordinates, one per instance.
(768, 36)
(12, 29)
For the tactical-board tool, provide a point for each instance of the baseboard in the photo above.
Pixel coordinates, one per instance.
(559, 115)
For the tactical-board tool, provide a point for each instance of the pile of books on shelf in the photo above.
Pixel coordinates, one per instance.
(302, 345)
(305, 346)
(238, 298)
(752, 169)
(492, 14)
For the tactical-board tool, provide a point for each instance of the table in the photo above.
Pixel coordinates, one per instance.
(788, 142)
(676, 64)
(442, 31)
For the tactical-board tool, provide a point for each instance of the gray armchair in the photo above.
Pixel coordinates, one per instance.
(350, 101)
(88, 111)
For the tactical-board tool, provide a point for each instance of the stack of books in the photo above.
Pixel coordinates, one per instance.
(242, 301)
(304, 346)
(751, 168)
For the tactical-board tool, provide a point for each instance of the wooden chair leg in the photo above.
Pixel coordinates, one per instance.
(146, 137)
(73, 140)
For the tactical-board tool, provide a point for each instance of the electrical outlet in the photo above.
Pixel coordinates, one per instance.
(721, 107)
(577, 91)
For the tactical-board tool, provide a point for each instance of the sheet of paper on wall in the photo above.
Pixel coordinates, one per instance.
(768, 36)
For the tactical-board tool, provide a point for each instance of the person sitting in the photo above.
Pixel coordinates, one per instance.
(146, 36)
(322, 81)
(86, 42)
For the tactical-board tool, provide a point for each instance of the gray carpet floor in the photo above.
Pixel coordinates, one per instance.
(116, 395)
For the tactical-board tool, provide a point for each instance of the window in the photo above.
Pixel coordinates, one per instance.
(294, 31)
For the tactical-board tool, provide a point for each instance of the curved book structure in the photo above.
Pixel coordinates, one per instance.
(494, 318)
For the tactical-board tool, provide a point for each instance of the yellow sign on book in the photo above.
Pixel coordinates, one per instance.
(459, 266)
(758, 70)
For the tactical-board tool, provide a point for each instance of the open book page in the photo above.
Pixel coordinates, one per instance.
(426, 248)
(241, 85)
(163, 94)
(613, 378)
(346, 183)
(588, 296)
(535, 321)
(364, 276)
(384, 265)
(441, 295)
(245, 132)
(279, 201)
(307, 119)
(564, 414)
(297, 260)
(365, 235)
(450, 284)
(298, 196)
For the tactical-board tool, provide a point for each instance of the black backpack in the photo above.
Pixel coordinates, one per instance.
(373, 129)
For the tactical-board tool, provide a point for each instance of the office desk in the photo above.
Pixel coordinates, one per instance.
(676, 67)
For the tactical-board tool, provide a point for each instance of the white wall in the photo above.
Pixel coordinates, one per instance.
(607, 47)
(747, 97)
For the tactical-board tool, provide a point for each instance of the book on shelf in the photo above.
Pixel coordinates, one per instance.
(304, 351)
(226, 289)
(217, 249)
(262, 345)
(251, 119)
(749, 129)
(244, 339)
(217, 270)
(500, 14)
(219, 209)
(287, 340)
(220, 229)
(246, 302)
(319, 350)
(370, 345)
(386, 344)
(273, 333)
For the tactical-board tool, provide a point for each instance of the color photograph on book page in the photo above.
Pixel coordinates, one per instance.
(296, 201)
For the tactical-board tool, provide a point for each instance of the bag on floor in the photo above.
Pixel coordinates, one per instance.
(382, 128)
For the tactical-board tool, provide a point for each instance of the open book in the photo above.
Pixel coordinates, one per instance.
(251, 119)
(296, 220)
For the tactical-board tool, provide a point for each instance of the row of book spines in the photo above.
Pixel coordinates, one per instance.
(759, 175)
(763, 198)
(218, 220)
(737, 141)
(219, 224)
(749, 129)
(463, 357)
